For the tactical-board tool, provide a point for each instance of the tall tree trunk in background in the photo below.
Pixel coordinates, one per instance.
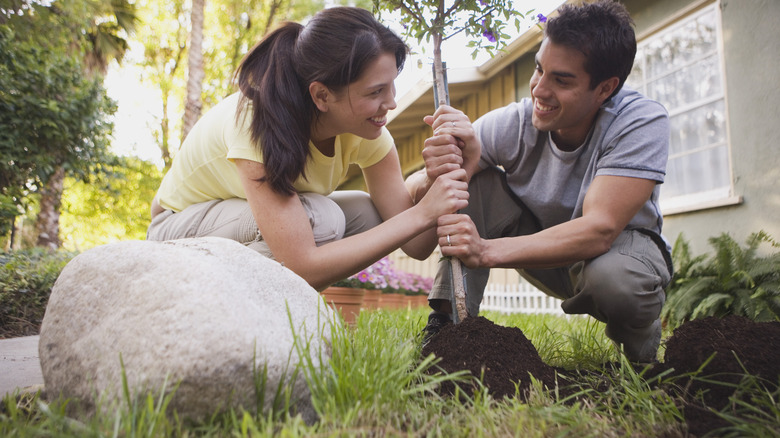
(195, 73)
(274, 7)
(105, 45)
(165, 147)
(164, 141)
(47, 224)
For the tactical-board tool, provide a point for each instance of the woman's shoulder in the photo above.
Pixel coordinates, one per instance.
(352, 141)
(364, 151)
(230, 103)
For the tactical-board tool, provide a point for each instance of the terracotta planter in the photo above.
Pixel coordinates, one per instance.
(415, 301)
(392, 301)
(371, 299)
(346, 300)
(419, 301)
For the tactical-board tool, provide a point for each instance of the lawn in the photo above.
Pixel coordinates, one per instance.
(379, 385)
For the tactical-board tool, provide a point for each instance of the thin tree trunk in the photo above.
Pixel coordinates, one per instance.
(13, 233)
(48, 222)
(195, 74)
(442, 92)
(165, 148)
(272, 15)
(165, 131)
(460, 312)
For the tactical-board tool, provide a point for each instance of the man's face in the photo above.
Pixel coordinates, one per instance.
(564, 103)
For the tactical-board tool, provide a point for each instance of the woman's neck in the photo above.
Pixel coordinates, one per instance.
(322, 139)
(327, 146)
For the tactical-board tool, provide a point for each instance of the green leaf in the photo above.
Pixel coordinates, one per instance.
(712, 305)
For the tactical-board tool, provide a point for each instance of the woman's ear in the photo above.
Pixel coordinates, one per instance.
(321, 95)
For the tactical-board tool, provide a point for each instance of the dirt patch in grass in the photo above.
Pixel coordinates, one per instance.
(738, 347)
(734, 346)
(502, 355)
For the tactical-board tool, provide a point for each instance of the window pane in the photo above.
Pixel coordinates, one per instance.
(682, 46)
(681, 68)
(672, 186)
(696, 172)
(701, 127)
(635, 80)
(688, 85)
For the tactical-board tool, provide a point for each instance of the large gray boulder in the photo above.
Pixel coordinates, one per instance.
(204, 314)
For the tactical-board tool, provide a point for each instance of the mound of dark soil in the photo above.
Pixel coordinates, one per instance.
(504, 357)
(737, 347)
(756, 344)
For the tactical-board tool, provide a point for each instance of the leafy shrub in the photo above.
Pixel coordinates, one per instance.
(26, 279)
(8, 212)
(733, 281)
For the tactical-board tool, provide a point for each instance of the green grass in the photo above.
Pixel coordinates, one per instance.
(376, 385)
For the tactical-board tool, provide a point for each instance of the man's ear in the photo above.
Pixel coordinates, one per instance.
(606, 87)
(321, 95)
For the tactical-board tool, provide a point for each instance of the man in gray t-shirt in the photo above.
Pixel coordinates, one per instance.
(563, 185)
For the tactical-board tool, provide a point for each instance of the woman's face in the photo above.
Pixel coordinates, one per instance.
(361, 108)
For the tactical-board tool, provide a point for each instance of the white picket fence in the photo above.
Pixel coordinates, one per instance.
(520, 297)
(506, 291)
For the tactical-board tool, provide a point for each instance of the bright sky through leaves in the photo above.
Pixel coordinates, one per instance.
(140, 108)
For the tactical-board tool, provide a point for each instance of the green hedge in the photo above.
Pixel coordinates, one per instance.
(26, 279)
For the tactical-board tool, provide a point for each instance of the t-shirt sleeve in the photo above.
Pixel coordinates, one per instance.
(500, 132)
(238, 138)
(371, 152)
(638, 142)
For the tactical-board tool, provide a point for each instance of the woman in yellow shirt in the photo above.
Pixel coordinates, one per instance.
(262, 166)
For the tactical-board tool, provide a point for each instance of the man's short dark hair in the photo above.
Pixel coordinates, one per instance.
(603, 31)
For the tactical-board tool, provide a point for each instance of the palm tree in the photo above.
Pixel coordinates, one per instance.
(104, 41)
(195, 73)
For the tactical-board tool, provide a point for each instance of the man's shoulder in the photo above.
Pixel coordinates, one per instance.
(512, 110)
(514, 114)
(629, 100)
(509, 121)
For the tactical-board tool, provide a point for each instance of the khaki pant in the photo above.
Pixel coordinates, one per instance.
(333, 217)
(623, 288)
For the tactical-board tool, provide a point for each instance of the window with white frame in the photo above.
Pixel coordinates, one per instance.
(681, 67)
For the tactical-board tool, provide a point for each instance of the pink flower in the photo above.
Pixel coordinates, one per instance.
(383, 275)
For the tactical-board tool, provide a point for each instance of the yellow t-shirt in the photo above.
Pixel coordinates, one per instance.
(203, 169)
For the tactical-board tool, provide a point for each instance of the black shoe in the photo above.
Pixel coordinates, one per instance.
(435, 323)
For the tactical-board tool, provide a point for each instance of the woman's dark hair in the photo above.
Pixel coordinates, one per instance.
(334, 48)
(603, 32)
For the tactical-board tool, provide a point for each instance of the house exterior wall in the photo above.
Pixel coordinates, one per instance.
(750, 31)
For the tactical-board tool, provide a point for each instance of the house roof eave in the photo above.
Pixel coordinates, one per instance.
(406, 118)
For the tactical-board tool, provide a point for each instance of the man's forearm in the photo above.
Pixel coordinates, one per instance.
(554, 247)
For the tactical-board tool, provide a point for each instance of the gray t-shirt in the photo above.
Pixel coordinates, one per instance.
(630, 137)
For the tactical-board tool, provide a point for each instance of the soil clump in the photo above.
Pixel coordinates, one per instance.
(736, 347)
(503, 356)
